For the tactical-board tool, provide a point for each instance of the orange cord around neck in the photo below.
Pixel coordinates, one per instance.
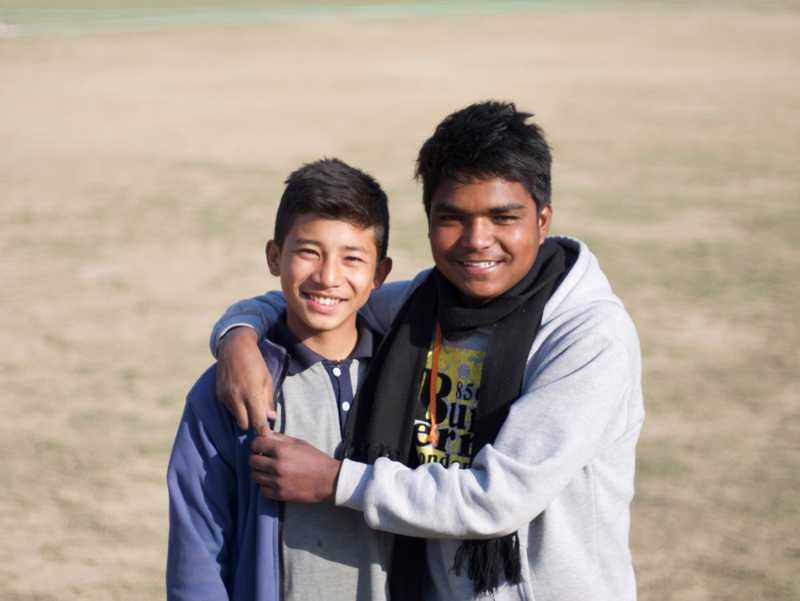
(433, 435)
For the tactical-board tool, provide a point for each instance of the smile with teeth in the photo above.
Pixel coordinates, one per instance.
(479, 264)
(328, 301)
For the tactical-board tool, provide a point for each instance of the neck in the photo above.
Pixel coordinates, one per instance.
(334, 345)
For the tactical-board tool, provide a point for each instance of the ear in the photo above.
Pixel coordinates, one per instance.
(273, 253)
(381, 271)
(543, 222)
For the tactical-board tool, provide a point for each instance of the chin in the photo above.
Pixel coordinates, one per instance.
(324, 324)
(478, 293)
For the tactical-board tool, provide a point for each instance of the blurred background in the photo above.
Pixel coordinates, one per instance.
(143, 148)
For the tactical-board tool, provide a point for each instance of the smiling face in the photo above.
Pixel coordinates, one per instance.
(485, 234)
(327, 269)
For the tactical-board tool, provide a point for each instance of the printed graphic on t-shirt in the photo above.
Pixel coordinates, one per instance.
(457, 390)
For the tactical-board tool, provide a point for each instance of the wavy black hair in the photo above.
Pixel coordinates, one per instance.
(483, 141)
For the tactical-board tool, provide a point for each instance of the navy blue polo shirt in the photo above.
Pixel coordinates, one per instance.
(301, 358)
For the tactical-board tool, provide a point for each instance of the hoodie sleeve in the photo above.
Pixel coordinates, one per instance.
(261, 312)
(201, 480)
(573, 407)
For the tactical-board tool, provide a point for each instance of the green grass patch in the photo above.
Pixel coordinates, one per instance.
(83, 15)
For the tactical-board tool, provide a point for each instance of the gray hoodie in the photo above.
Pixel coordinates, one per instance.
(560, 472)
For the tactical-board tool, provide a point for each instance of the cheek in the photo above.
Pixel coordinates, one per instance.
(441, 241)
(294, 273)
(363, 283)
(522, 239)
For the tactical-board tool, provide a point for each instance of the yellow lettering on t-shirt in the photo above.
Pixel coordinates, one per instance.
(457, 389)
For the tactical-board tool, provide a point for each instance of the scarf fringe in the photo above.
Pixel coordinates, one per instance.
(368, 452)
(490, 562)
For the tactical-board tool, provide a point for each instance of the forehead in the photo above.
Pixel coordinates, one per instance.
(477, 196)
(330, 233)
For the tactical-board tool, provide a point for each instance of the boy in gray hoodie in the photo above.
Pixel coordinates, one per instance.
(496, 430)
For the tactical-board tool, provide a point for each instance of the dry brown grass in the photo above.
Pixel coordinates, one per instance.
(139, 173)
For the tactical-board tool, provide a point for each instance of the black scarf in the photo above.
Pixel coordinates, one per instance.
(382, 419)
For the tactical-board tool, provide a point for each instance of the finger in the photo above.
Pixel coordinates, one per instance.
(256, 413)
(264, 445)
(271, 443)
(219, 382)
(269, 399)
(225, 394)
(264, 479)
(239, 414)
(271, 492)
(262, 463)
(262, 430)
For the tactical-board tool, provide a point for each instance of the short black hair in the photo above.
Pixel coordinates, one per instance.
(483, 141)
(333, 189)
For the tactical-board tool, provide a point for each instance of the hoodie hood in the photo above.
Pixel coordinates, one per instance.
(583, 284)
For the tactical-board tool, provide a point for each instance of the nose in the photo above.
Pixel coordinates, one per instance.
(477, 234)
(328, 273)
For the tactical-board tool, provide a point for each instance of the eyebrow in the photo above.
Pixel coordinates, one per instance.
(355, 249)
(309, 241)
(312, 242)
(446, 207)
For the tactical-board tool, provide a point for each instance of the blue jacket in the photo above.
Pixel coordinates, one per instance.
(223, 534)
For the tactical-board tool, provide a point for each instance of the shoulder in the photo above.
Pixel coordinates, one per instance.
(584, 299)
(601, 319)
(585, 313)
(202, 404)
(398, 292)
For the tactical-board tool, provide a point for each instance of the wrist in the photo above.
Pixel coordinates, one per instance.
(335, 469)
(237, 335)
(351, 484)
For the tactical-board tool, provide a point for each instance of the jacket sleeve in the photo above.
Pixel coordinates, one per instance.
(201, 481)
(261, 312)
(574, 405)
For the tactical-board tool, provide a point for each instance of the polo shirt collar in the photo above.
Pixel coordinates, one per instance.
(301, 357)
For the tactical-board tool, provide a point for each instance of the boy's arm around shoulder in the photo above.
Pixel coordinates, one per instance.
(581, 395)
(258, 313)
(243, 385)
(201, 480)
(261, 312)
(385, 302)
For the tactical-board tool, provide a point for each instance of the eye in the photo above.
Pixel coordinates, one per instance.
(446, 218)
(308, 253)
(353, 259)
(505, 219)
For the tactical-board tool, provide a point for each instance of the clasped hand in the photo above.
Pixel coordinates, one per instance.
(285, 468)
(290, 469)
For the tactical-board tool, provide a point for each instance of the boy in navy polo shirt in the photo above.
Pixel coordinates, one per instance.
(226, 540)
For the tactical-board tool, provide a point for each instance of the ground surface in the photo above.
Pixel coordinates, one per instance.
(139, 171)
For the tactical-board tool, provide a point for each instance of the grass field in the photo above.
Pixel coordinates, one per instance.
(138, 176)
